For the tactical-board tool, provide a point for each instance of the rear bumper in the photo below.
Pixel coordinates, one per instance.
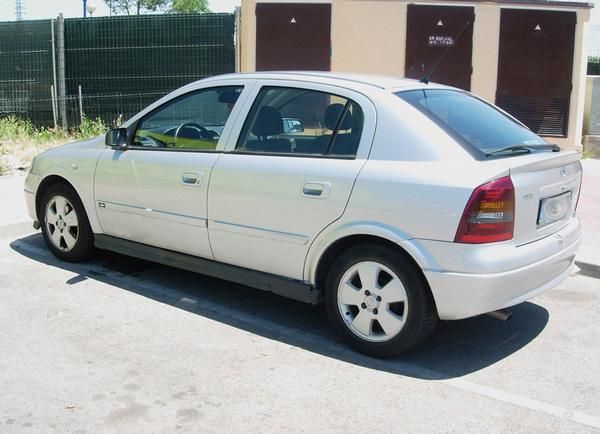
(464, 294)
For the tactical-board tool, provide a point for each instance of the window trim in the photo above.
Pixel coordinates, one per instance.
(257, 100)
(135, 125)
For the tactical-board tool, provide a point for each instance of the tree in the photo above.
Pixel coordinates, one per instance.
(189, 6)
(131, 7)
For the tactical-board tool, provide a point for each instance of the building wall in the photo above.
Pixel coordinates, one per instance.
(247, 31)
(370, 36)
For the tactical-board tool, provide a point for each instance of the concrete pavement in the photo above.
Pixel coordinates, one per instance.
(588, 211)
(12, 201)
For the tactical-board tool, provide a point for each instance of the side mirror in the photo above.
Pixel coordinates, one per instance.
(116, 138)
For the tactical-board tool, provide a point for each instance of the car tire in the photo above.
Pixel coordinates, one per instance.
(390, 313)
(65, 226)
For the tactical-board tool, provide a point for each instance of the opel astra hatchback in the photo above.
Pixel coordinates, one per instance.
(396, 203)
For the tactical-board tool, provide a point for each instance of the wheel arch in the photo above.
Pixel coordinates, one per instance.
(43, 187)
(329, 248)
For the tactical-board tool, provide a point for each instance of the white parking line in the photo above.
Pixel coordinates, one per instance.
(523, 401)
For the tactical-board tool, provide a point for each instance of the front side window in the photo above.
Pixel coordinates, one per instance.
(194, 121)
(302, 122)
(471, 121)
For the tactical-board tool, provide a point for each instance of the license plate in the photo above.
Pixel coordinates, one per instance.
(553, 209)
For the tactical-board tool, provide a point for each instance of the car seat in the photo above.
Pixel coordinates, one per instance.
(268, 123)
(345, 143)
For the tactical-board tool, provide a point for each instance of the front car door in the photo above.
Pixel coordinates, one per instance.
(275, 188)
(155, 191)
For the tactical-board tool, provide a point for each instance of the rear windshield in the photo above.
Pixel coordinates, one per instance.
(477, 125)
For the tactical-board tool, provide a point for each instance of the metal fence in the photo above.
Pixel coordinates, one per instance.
(121, 64)
(26, 72)
(593, 66)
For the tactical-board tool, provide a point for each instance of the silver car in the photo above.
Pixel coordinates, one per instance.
(395, 202)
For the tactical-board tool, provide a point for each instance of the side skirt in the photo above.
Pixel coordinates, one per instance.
(283, 286)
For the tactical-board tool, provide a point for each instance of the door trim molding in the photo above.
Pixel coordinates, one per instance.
(253, 231)
(151, 212)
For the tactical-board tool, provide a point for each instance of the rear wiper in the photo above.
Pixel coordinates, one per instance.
(524, 149)
(517, 148)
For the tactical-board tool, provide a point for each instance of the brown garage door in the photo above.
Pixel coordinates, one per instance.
(535, 68)
(293, 36)
(430, 31)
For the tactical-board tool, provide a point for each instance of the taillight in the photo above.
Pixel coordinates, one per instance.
(489, 214)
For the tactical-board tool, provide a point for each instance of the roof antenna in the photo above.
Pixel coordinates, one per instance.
(426, 78)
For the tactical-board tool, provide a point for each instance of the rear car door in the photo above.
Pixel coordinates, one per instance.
(275, 188)
(154, 192)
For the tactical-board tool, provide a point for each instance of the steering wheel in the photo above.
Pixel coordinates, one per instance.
(204, 133)
(151, 142)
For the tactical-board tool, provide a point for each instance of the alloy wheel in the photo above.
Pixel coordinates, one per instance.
(372, 301)
(62, 223)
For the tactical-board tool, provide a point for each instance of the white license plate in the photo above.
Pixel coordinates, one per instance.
(555, 208)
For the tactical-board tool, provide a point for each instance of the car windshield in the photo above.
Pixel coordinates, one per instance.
(474, 123)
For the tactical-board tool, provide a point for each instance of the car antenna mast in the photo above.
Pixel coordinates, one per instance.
(425, 79)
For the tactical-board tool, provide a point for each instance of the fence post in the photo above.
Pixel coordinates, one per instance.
(237, 36)
(62, 91)
(80, 104)
(53, 99)
(53, 88)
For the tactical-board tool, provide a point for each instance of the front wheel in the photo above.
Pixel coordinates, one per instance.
(378, 302)
(65, 225)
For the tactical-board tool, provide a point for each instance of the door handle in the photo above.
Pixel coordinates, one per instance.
(192, 178)
(316, 189)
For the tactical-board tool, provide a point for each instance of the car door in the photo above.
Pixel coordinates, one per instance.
(274, 190)
(154, 192)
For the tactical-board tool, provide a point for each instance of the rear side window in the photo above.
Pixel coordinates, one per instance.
(470, 121)
(302, 122)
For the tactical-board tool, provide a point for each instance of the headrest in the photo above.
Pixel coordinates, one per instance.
(332, 114)
(268, 122)
(228, 96)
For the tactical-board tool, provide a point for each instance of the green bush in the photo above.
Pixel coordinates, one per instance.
(90, 128)
(14, 128)
(20, 141)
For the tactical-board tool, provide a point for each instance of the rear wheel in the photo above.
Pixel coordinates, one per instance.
(65, 225)
(377, 302)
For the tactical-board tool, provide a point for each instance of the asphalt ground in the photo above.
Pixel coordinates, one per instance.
(122, 345)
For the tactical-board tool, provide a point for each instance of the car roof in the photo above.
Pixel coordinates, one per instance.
(341, 79)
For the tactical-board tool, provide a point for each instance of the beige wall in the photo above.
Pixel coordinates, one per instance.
(578, 92)
(369, 36)
(248, 36)
(486, 43)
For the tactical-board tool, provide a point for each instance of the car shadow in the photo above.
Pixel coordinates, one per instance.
(456, 349)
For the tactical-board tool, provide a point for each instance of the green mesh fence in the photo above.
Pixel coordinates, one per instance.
(125, 63)
(121, 63)
(26, 70)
